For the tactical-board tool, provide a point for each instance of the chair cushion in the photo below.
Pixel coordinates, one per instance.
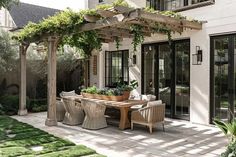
(136, 107)
(71, 93)
(149, 97)
(154, 103)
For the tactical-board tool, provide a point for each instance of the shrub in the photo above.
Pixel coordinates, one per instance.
(37, 105)
(10, 104)
(230, 151)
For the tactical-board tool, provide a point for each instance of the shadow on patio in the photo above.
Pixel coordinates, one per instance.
(180, 139)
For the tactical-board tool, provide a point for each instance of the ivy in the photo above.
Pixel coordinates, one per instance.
(117, 41)
(66, 25)
(138, 36)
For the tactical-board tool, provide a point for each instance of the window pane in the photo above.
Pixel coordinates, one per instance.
(116, 68)
(149, 63)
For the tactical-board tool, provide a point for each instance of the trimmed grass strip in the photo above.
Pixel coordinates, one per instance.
(18, 139)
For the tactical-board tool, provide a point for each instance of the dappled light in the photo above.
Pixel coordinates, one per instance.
(181, 138)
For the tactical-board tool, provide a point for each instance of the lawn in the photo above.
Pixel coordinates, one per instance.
(20, 139)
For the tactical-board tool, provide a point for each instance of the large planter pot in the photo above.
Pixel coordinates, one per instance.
(126, 95)
(103, 97)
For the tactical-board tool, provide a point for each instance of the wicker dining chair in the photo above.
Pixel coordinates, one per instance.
(94, 115)
(60, 107)
(74, 112)
(150, 115)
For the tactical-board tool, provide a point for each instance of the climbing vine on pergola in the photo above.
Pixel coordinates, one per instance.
(87, 30)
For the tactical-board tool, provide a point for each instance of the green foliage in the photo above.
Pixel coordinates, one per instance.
(138, 36)
(124, 87)
(27, 137)
(85, 41)
(90, 90)
(230, 151)
(7, 3)
(228, 128)
(9, 104)
(117, 41)
(37, 105)
(8, 53)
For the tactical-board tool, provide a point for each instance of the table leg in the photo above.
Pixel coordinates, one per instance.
(124, 121)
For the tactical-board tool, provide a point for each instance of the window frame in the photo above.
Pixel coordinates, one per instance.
(107, 68)
(153, 4)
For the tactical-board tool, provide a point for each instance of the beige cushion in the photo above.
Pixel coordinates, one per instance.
(149, 97)
(154, 103)
(64, 94)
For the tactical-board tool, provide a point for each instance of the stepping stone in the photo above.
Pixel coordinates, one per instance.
(11, 135)
(36, 148)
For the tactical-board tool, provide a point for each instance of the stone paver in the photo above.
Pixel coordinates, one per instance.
(181, 139)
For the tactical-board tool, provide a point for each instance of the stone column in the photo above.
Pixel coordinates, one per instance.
(22, 104)
(52, 63)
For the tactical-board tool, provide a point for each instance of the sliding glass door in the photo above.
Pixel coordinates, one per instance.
(166, 74)
(223, 77)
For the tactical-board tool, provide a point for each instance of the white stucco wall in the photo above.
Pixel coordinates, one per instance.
(6, 21)
(133, 3)
(221, 19)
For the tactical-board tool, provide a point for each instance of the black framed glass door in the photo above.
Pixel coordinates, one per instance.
(166, 74)
(223, 77)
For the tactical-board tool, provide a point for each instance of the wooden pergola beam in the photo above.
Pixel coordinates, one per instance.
(110, 21)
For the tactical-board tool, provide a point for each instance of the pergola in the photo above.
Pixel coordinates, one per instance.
(112, 23)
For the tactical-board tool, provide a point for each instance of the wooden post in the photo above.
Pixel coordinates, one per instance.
(52, 63)
(22, 104)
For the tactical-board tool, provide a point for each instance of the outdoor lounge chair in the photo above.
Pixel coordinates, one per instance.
(150, 115)
(74, 112)
(94, 118)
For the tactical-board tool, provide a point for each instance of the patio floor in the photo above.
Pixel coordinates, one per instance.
(180, 139)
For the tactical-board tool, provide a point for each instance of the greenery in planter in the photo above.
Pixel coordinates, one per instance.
(124, 87)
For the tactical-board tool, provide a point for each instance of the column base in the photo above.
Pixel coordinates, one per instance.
(22, 112)
(51, 122)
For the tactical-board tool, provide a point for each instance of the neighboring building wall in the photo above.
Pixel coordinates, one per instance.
(221, 18)
(6, 21)
(134, 3)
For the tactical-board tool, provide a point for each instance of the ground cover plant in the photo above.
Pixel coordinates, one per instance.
(20, 139)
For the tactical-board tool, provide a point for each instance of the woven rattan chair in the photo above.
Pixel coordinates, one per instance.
(60, 110)
(74, 112)
(151, 115)
(94, 118)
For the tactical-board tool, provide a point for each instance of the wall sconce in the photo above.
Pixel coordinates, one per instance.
(197, 58)
(132, 60)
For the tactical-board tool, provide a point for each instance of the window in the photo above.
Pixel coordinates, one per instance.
(100, 1)
(116, 67)
(177, 5)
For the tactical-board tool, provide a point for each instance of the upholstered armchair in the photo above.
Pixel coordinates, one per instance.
(150, 115)
(95, 115)
(74, 112)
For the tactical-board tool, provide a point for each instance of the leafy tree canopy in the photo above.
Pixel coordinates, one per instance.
(7, 3)
(8, 52)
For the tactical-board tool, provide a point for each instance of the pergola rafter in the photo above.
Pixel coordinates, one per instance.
(109, 24)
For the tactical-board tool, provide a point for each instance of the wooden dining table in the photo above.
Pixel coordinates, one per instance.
(123, 106)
